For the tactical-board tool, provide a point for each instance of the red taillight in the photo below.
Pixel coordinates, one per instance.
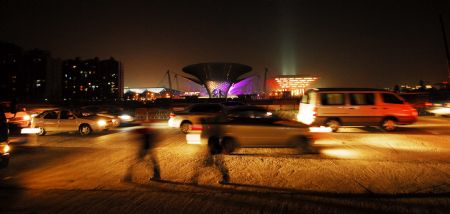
(172, 115)
(428, 104)
(314, 112)
(197, 127)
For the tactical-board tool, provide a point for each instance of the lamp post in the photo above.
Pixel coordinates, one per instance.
(441, 19)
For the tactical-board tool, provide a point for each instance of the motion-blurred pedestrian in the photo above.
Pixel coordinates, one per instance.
(212, 156)
(147, 143)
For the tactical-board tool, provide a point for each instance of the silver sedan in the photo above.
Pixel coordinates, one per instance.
(62, 120)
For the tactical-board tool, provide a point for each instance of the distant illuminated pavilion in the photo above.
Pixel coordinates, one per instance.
(217, 77)
(296, 84)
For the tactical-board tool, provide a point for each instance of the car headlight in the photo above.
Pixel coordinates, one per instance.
(101, 122)
(6, 149)
(26, 117)
(125, 117)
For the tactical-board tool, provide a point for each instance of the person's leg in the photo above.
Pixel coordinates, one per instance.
(218, 161)
(129, 173)
(156, 169)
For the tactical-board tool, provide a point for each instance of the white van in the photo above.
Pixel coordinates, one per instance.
(335, 107)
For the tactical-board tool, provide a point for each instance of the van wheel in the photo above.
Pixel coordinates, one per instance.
(41, 132)
(389, 124)
(228, 145)
(333, 124)
(186, 127)
(85, 129)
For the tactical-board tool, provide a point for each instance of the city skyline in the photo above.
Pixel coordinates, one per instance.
(375, 44)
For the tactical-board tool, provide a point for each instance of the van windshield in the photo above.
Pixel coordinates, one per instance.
(391, 98)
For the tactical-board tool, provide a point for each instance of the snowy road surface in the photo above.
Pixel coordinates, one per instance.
(357, 170)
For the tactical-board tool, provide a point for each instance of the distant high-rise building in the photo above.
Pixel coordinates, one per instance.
(11, 71)
(27, 75)
(92, 79)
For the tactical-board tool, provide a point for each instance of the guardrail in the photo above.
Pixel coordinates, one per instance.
(147, 114)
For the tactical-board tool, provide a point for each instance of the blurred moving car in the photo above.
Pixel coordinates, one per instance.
(233, 103)
(336, 107)
(192, 114)
(111, 111)
(439, 108)
(4, 147)
(64, 120)
(252, 126)
(16, 117)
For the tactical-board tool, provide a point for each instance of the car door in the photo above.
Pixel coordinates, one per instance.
(252, 131)
(333, 105)
(362, 109)
(67, 121)
(392, 105)
(50, 121)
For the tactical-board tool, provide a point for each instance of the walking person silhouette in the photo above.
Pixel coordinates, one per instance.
(147, 144)
(212, 156)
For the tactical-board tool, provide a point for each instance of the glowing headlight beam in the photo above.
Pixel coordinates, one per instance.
(125, 117)
(101, 123)
(6, 149)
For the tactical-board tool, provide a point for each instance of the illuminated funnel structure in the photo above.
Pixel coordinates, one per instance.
(217, 77)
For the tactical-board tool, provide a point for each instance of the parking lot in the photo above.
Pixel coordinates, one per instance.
(358, 169)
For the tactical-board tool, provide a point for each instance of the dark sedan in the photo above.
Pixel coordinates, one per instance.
(251, 126)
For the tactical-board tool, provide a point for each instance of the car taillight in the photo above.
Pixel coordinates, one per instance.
(197, 127)
(172, 115)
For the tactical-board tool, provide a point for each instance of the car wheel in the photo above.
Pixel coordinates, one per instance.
(214, 147)
(333, 124)
(186, 127)
(228, 145)
(85, 129)
(41, 132)
(389, 124)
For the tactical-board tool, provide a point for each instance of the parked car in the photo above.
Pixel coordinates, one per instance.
(251, 126)
(192, 115)
(64, 120)
(336, 107)
(4, 147)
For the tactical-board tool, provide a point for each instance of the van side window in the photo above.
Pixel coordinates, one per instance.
(391, 98)
(332, 99)
(362, 99)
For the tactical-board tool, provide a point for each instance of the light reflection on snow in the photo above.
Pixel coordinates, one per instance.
(341, 153)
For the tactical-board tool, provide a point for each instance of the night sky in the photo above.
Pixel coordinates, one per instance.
(345, 43)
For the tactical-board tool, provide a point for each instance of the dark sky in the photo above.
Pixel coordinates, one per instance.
(345, 43)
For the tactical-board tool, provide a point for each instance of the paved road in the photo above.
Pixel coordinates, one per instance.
(357, 170)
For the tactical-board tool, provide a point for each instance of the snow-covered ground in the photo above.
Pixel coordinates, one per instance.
(358, 169)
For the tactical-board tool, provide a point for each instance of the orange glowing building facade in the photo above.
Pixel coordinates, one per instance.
(295, 85)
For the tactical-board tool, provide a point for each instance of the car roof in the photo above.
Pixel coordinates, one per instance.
(247, 108)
